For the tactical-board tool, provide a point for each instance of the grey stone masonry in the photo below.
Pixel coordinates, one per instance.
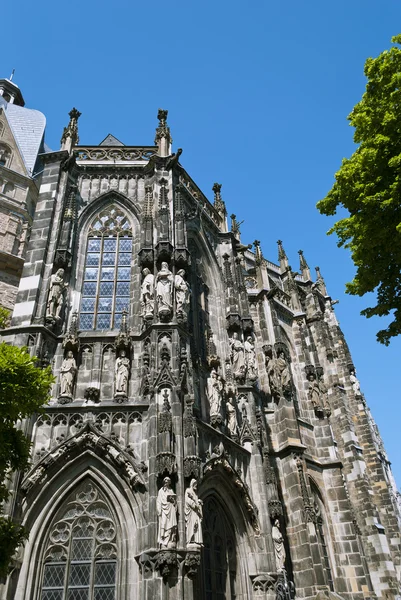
(206, 436)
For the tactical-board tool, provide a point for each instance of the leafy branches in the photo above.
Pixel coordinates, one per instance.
(368, 185)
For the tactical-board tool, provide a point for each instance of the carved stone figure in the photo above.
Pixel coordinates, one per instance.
(250, 355)
(147, 293)
(214, 393)
(55, 300)
(166, 506)
(193, 516)
(164, 281)
(313, 392)
(67, 375)
(279, 550)
(182, 293)
(279, 375)
(122, 374)
(231, 414)
(237, 357)
(356, 386)
(285, 376)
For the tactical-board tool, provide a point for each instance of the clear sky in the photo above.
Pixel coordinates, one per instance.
(257, 92)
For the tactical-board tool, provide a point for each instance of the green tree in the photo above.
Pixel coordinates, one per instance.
(368, 185)
(24, 389)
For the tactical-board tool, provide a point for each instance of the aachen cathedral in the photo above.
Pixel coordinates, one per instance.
(206, 437)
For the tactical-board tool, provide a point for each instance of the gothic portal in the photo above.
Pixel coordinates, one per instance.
(206, 437)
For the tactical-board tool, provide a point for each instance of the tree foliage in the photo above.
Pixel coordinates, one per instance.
(24, 389)
(368, 185)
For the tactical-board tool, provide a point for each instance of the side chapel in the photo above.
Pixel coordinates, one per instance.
(206, 437)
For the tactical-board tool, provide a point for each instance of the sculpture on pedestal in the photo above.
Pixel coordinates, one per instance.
(214, 391)
(193, 516)
(122, 374)
(231, 414)
(166, 506)
(250, 359)
(279, 550)
(164, 282)
(182, 294)
(55, 300)
(147, 294)
(67, 376)
(237, 358)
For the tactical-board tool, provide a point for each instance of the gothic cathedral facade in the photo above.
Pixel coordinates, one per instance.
(206, 436)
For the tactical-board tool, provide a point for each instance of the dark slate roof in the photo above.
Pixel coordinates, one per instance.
(28, 127)
(110, 140)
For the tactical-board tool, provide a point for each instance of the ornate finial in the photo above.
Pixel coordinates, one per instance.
(123, 341)
(163, 137)
(320, 284)
(70, 136)
(71, 340)
(258, 252)
(70, 212)
(303, 265)
(218, 201)
(235, 226)
(282, 256)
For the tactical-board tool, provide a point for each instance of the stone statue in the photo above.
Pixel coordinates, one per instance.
(182, 293)
(166, 506)
(250, 359)
(164, 281)
(231, 413)
(237, 357)
(356, 386)
(67, 375)
(214, 390)
(55, 300)
(314, 391)
(122, 374)
(193, 516)
(285, 377)
(279, 550)
(147, 293)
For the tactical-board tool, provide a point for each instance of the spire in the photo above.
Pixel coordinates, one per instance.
(293, 290)
(282, 257)
(163, 138)
(218, 201)
(70, 137)
(303, 265)
(320, 284)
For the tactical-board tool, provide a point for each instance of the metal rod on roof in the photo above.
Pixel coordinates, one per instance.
(12, 75)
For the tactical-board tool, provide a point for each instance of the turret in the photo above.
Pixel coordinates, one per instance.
(70, 137)
(303, 265)
(11, 92)
(282, 257)
(163, 138)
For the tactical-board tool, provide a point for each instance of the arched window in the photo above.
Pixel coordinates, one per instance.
(80, 560)
(5, 155)
(107, 273)
(217, 581)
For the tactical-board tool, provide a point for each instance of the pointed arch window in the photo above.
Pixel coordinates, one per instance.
(107, 271)
(80, 561)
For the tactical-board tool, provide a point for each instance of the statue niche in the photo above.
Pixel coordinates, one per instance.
(68, 372)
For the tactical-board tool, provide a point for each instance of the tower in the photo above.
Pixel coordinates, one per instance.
(206, 435)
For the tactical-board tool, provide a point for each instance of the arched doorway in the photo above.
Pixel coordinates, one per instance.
(217, 578)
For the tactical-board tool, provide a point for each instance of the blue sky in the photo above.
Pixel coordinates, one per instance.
(258, 95)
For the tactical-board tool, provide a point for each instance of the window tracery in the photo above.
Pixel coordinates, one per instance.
(5, 155)
(107, 272)
(80, 559)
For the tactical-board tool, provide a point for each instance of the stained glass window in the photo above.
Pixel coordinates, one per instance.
(107, 271)
(80, 559)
